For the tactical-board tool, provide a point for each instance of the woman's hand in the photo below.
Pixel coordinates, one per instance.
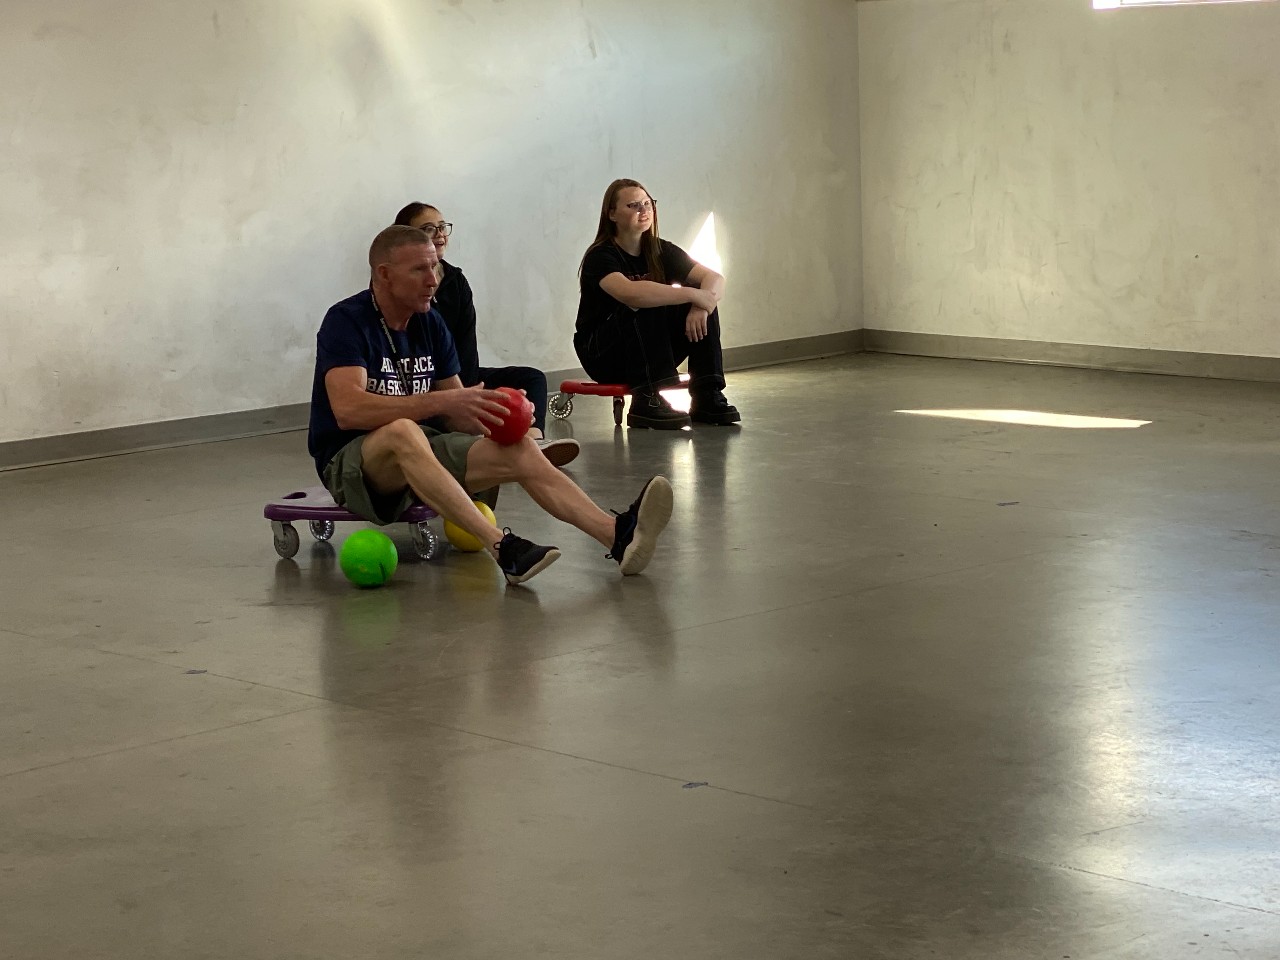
(704, 300)
(695, 327)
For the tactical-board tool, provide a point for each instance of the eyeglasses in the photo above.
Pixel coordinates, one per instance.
(642, 206)
(440, 229)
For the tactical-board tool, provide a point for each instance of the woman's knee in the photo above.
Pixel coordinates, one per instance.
(535, 381)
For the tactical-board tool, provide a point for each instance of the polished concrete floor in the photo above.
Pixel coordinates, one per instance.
(895, 687)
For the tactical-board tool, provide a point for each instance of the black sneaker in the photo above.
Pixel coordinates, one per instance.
(712, 407)
(650, 409)
(519, 559)
(636, 532)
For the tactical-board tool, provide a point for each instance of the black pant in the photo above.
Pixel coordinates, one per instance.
(532, 381)
(642, 349)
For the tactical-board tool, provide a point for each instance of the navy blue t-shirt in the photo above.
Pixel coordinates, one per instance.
(351, 336)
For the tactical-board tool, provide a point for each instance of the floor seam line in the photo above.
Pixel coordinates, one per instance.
(155, 743)
(222, 676)
(1148, 886)
(603, 763)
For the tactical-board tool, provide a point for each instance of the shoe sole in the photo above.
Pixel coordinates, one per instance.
(644, 423)
(651, 520)
(561, 453)
(717, 419)
(551, 557)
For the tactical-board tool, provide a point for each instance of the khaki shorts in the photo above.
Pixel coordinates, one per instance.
(344, 477)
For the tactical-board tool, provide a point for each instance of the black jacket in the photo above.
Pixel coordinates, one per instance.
(455, 303)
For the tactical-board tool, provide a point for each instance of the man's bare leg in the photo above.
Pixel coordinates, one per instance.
(399, 455)
(631, 538)
(489, 463)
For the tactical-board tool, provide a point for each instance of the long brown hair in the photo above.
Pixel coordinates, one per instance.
(649, 243)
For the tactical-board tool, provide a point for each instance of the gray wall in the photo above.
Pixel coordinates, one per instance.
(187, 187)
(1042, 171)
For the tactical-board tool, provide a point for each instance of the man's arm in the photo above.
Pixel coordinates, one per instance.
(465, 409)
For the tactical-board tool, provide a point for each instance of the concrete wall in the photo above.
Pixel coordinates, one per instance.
(1038, 170)
(185, 188)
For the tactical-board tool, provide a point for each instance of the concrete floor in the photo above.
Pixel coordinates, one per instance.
(955, 689)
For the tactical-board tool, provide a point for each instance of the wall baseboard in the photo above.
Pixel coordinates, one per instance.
(115, 441)
(91, 444)
(759, 354)
(1217, 366)
(791, 351)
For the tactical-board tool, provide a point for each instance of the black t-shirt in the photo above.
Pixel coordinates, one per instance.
(351, 336)
(456, 306)
(596, 306)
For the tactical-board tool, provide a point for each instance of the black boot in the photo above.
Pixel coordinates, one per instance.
(650, 409)
(710, 406)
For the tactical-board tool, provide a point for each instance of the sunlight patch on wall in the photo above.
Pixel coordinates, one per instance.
(704, 246)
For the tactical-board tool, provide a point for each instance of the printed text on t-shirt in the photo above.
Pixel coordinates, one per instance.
(415, 369)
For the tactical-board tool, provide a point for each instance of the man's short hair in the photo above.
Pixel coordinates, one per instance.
(392, 239)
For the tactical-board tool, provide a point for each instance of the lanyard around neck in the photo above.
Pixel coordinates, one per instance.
(391, 345)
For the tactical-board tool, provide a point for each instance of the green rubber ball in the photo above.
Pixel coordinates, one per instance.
(368, 558)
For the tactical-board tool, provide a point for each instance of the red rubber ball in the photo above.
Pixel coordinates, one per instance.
(519, 418)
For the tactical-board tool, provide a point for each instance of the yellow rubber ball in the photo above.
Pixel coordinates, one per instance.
(464, 541)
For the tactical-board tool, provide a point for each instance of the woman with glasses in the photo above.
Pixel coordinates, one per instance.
(647, 306)
(455, 303)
